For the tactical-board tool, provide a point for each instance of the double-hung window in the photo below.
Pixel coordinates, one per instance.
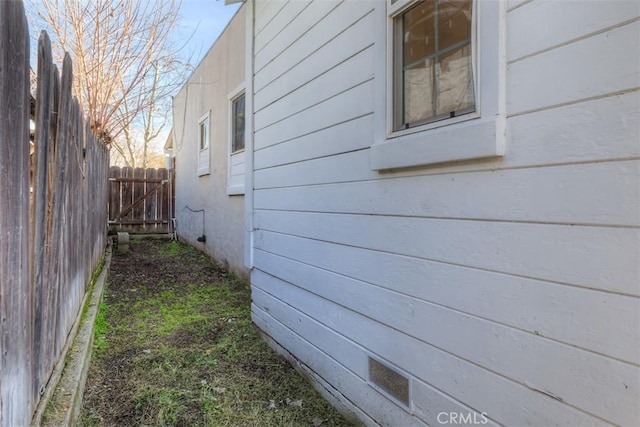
(237, 125)
(432, 63)
(443, 92)
(204, 132)
(236, 172)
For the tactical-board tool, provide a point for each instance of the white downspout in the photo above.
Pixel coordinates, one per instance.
(249, 111)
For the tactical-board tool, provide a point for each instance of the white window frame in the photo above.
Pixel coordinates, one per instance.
(235, 189)
(476, 135)
(204, 157)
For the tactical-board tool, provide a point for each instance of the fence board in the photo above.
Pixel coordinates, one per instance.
(44, 94)
(15, 295)
(49, 280)
(86, 203)
(152, 200)
(138, 193)
(61, 201)
(114, 190)
(127, 193)
(54, 232)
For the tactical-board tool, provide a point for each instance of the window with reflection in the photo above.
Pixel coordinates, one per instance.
(432, 62)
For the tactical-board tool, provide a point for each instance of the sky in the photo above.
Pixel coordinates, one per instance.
(199, 25)
(201, 22)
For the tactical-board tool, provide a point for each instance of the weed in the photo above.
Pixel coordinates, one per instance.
(92, 284)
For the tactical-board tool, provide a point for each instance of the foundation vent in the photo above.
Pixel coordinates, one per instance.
(389, 380)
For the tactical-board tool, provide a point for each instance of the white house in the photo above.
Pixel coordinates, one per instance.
(443, 203)
(208, 144)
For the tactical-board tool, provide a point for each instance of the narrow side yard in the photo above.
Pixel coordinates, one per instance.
(175, 346)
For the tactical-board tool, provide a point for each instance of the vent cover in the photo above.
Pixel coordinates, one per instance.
(389, 380)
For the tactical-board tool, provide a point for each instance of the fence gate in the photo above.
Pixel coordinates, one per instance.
(140, 200)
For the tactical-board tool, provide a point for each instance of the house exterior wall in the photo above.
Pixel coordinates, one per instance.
(506, 287)
(218, 74)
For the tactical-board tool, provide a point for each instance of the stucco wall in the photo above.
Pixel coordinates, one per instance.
(218, 74)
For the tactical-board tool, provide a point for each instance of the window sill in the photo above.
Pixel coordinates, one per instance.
(469, 140)
(236, 190)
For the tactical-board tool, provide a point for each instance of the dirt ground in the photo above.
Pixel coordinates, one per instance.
(175, 346)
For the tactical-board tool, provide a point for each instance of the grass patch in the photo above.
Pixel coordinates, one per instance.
(182, 350)
(174, 248)
(100, 328)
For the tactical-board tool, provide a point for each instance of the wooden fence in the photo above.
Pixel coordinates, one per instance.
(140, 200)
(52, 215)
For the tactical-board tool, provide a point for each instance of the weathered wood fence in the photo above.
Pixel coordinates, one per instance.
(52, 215)
(140, 200)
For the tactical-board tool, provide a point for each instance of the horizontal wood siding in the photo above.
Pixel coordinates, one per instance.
(594, 257)
(507, 286)
(602, 193)
(568, 23)
(312, 63)
(331, 83)
(463, 380)
(597, 66)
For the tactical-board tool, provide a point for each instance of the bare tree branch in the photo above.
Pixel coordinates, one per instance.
(125, 66)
